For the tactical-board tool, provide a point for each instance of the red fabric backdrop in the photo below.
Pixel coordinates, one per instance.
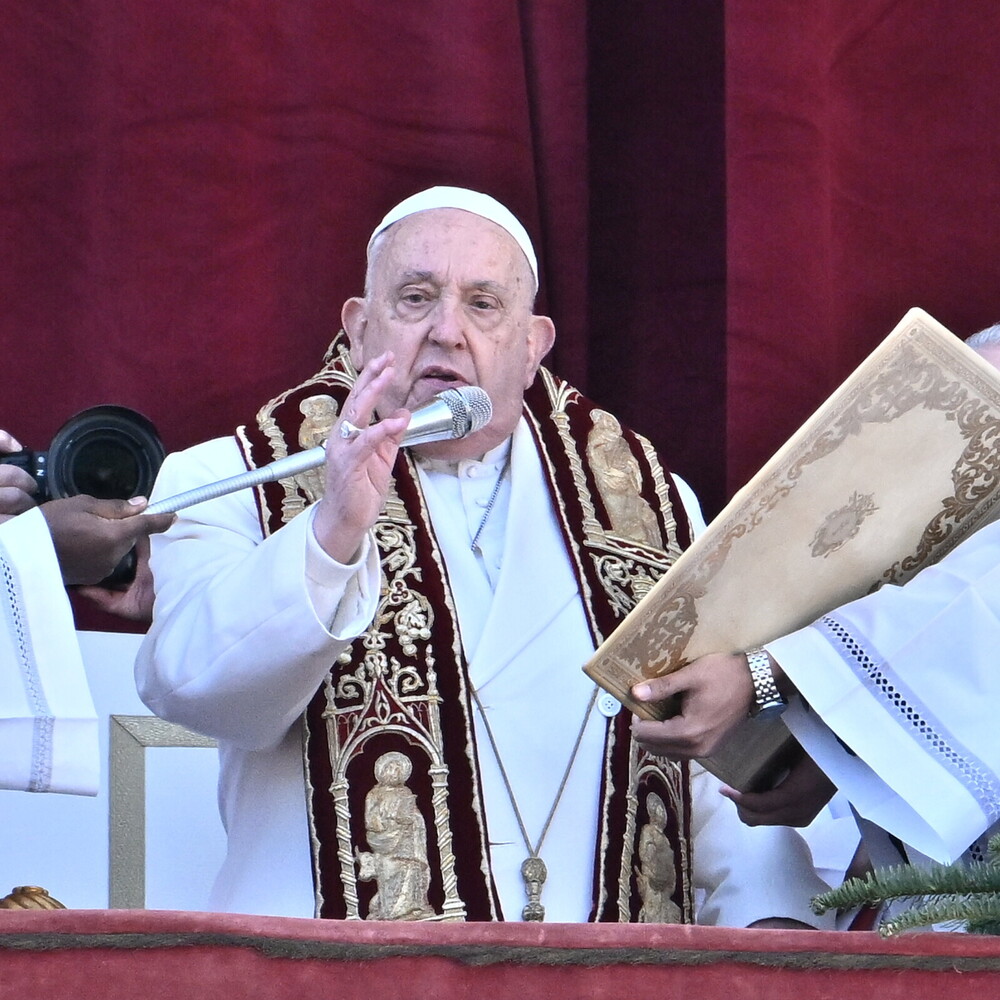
(862, 145)
(188, 186)
(733, 202)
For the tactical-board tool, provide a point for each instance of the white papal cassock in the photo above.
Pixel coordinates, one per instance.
(902, 689)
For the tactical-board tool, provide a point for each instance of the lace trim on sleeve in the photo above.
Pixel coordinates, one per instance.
(982, 784)
(15, 620)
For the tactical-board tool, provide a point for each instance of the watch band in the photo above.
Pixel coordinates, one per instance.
(768, 698)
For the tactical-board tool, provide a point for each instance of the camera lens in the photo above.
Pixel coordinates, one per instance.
(110, 452)
(104, 469)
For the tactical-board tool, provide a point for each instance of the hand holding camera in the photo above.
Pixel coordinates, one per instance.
(16, 485)
(92, 536)
(91, 484)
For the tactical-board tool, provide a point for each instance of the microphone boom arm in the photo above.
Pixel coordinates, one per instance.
(291, 465)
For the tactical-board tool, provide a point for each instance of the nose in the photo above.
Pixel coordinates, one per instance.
(448, 324)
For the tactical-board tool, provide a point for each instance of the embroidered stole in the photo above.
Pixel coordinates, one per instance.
(396, 812)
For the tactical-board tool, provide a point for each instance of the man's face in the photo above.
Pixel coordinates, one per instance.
(450, 296)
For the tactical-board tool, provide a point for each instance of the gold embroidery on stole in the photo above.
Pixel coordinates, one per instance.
(380, 694)
(655, 873)
(619, 481)
(626, 567)
(307, 486)
(397, 836)
(319, 413)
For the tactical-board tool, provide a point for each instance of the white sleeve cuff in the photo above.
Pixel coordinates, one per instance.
(692, 506)
(343, 597)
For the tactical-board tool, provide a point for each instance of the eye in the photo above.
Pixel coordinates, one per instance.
(484, 303)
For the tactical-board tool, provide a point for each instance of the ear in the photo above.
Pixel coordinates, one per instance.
(541, 337)
(353, 317)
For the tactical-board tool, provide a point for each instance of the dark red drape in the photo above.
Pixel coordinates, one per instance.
(186, 189)
(656, 326)
(188, 186)
(862, 146)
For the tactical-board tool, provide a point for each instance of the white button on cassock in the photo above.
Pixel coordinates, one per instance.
(608, 705)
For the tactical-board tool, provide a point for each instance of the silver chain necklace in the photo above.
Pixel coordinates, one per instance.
(533, 869)
(490, 504)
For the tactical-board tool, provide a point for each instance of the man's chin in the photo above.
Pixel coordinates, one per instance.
(473, 446)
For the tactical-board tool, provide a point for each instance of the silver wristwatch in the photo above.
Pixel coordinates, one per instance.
(769, 701)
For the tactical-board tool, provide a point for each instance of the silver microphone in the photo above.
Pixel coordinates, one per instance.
(451, 414)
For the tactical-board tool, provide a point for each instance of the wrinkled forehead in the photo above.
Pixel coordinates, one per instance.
(424, 241)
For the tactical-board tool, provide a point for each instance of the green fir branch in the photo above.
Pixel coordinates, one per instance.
(908, 881)
(951, 911)
(951, 895)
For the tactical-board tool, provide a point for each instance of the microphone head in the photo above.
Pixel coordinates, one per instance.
(448, 415)
(471, 409)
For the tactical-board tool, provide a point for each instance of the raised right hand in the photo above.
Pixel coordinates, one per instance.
(359, 469)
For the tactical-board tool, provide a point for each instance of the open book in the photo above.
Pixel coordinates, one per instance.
(897, 467)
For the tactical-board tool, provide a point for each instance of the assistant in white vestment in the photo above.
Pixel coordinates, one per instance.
(901, 690)
(48, 725)
(244, 633)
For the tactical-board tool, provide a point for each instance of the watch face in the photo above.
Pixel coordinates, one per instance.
(771, 711)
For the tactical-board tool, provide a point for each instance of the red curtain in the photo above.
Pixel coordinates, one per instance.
(188, 186)
(655, 331)
(862, 144)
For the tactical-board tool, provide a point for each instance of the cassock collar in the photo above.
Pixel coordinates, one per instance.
(493, 459)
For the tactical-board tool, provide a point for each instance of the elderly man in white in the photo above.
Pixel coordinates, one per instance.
(439, 602)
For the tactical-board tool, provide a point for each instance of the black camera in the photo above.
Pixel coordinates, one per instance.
(108, 452)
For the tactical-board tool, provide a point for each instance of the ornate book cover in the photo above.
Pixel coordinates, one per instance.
(899, 465)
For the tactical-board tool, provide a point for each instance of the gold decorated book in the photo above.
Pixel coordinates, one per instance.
(897, 467)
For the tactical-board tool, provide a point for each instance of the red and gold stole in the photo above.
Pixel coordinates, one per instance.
(403, 687)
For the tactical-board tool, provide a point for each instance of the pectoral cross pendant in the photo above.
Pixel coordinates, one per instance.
(534, 873)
